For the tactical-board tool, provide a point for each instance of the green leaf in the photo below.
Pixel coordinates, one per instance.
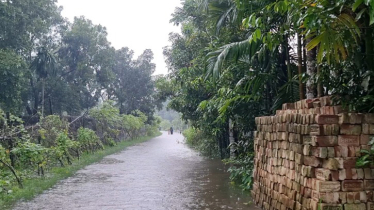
(359, 14)
(314, 42)
(245, 22)
(357, 4)
(257, 34)
(371, 12)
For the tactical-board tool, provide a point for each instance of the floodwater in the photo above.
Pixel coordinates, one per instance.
(162, 173)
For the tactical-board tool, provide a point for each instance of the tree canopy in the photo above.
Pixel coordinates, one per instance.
(236, 60)
(49, 65)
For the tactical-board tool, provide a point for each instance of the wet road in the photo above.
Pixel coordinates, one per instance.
(162, 173)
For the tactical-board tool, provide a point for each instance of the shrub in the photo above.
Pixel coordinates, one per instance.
(204, 144)
(89, 141)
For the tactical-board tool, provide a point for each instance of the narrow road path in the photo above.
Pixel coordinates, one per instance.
(162, 173)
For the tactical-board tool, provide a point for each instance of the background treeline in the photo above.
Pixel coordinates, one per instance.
(51, 66)
(236, 60)
(51, 72)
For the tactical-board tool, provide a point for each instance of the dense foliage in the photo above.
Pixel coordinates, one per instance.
(53, 142)
(236, 60)
(49, 65)
(52, 70)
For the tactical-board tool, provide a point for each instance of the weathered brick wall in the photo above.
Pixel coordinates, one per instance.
(306, 158)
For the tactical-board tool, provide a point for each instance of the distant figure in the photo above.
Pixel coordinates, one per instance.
(171, 130)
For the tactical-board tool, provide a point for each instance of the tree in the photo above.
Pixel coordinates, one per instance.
(12, 80)
(86, 58)
(44, 64)
(129, 74)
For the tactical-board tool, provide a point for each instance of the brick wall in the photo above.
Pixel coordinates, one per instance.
(306, 158)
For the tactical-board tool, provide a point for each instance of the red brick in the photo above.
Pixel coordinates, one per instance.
(324, 130)
(325, 206)
(327, 186)
(370, 206)
(360, 173)
(363, 197)
(288, 106)
(312, 161)
(307, 150)
(365, 139)
(316, 130)
(355, 118)
(327, 119)
(316, 104)
(349, 163)
(307, 140)
(338, 109)
(326, 174)
(353, 197)
(330, 152)
(332, 164)
(342, 175)
(320, 152)
(347, 129)
(350, 118)
(360, 206)
(348, 140)
(368, 118)
(369, 195)
(368, 173)
(367, 128)
(341, 151)
(325, 141)
(326, 197)
(355, 151)
(343, 118)
(352, 185)
(369, 184)
(343, 197)
(325, 101)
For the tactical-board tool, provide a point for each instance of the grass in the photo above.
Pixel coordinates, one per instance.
(35, 186)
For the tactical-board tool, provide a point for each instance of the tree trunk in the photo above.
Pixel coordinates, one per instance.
(50, 106)
(300, 67)
(311, 70)
(11, 168)
(288, 63)
(43, 85)
(36, 96)
(232, 139)
(319, 85)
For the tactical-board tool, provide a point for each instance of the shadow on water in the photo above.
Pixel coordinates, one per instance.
(213, 189)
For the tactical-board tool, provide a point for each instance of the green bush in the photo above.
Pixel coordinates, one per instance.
(88, 140)
(50, 128)
(241, 166)
(367, 158)
(204, 144)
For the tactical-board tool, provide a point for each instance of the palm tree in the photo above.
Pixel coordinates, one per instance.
(43, 65)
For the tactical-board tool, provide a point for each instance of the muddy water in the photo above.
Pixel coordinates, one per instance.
(162, 173)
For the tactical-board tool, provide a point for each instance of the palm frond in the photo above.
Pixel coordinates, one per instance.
(233, 51)
(289, 92)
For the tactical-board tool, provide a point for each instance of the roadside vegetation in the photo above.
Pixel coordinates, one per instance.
(34, 185)
(67, 96)
(35, 159)
(236, 60)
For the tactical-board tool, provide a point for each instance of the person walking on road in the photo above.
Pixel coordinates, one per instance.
(171, 130)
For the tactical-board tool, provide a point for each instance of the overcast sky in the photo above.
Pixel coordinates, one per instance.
(136, 24)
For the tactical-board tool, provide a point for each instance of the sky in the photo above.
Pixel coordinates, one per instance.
(136, 24)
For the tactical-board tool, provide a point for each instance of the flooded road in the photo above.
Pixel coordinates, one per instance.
(162, 173)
